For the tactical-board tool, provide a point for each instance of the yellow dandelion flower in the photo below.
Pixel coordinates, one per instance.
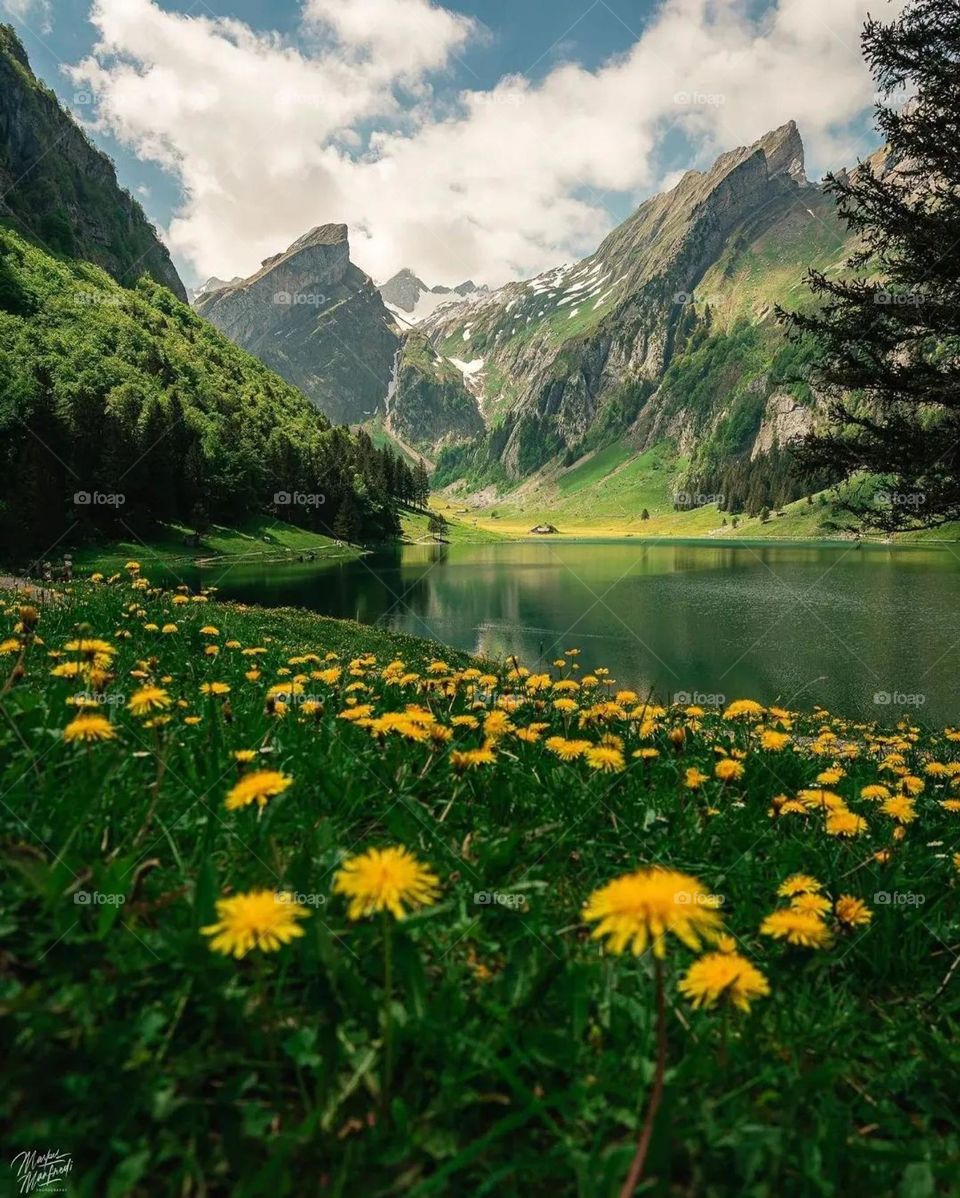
(723, 977)
(244, 755)
(567, 750)
(91, 647)
(796, 927)
(69, 669)
(744, 708)
(813, 904)
(468, 759)
(728, 770)
(825, 799)
(875, 792)
(385, 880)
(262, 919)
(852, 912)
(215, 688)
(209, 630)
(359, 712)
(693, 778)
(605, 759)
(497, 723)
(900, 808)
(845, 823)
(329, 677)
(257, 788)
(774, 742)
(798, 884)
(641, 908)
(147, 699)
(950, 804)
(527, 735)
(89, 728)
(646, 754)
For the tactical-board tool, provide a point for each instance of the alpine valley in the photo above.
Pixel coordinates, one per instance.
(648, 379)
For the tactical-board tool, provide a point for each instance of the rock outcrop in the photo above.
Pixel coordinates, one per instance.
(428, 404)
(317, 320)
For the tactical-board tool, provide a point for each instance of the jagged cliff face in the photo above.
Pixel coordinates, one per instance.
(317, 320)
(429, 404)
(68, 200)
(553, 356)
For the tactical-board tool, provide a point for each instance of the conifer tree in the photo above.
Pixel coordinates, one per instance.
(888, 334)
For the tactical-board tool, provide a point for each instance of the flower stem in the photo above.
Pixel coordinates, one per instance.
(656, 1092)
(387, 1009)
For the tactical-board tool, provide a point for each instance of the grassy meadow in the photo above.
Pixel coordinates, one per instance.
(217, 978)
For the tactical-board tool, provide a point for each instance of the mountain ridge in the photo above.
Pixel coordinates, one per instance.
(69, 201)
(313, 316)
(607, 347)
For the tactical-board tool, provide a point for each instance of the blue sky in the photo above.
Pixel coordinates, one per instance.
(548, 164)
(522, 36)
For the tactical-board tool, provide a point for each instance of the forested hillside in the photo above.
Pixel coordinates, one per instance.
(122, 407)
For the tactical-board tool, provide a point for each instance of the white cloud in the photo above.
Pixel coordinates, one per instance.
(398, 38)
(268, 140)
(26, 11)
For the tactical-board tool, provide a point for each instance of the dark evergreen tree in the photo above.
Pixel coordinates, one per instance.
(888, 335)
(421, 484)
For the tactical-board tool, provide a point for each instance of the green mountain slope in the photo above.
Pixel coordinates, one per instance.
(120, 407)
(60, 189)
(666, 336)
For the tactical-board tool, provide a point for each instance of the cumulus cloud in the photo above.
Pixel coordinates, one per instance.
(268, 139)
(397, 38)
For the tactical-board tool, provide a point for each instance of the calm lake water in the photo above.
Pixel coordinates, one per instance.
(802, 625)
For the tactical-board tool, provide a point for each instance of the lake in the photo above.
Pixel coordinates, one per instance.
(867, 632)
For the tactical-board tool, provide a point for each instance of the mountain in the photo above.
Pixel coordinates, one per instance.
(58, 188)
(212, 284)
(411, 300)
(665, 336)
(317, 320)
(120, 406)
(428, 404)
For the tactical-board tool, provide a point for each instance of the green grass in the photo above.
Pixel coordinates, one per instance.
(259, 537)
(460, 530)
(523, 1052)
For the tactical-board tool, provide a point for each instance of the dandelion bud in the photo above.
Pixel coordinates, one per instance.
(29, 616)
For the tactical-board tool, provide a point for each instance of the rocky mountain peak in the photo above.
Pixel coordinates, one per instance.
(409, 297)
(783, 149)
(316, 319)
